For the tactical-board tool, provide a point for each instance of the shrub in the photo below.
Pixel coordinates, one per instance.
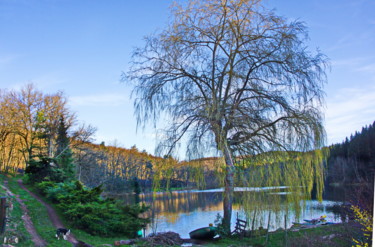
(44, 186)
(86, 210)
(364, 218)
(43, 169)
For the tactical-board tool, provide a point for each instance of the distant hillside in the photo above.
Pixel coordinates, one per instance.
(351, 166)
(125, 170)
(353, 160)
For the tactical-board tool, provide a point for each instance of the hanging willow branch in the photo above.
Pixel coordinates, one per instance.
(294, 174)
(234, 79)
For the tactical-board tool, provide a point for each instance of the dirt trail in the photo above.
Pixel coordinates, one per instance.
(38, 240)
(51, 213)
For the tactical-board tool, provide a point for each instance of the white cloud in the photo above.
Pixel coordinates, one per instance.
(348, 111)
(109, 99)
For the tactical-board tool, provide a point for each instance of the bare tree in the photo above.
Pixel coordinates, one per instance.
(232, 74)
(29, 121)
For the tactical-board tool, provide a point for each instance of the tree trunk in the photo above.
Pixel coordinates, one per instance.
(229, 187)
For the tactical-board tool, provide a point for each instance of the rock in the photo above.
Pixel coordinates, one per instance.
(128, 242)
(329, 237)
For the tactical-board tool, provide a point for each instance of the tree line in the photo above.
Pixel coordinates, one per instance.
(351, 164)
(125, 170)
(29, 126)
(39, 127)
(352, 161)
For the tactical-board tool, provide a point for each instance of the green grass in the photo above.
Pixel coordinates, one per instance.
(15, 226)
(43, 225)
(323, 236)
(39, 217)
(95, 240)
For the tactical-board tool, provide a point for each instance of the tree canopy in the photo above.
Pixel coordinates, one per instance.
(232, 77)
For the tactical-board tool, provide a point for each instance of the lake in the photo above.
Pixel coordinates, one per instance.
(184, 211)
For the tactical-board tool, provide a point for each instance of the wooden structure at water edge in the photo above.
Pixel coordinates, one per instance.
(240, 226)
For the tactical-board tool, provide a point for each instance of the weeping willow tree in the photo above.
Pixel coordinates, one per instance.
(286, 180)
(233, 78)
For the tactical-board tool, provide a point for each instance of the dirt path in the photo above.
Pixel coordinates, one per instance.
(51, 213)
(38, 240)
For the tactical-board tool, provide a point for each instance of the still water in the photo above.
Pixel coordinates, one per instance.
(184, 211)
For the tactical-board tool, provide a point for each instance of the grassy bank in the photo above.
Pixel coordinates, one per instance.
(40, 218)
(15, 226)
(338, 235)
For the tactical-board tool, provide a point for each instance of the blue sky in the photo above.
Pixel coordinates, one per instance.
(81, 47)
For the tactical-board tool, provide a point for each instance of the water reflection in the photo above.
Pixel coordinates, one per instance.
(184, 211)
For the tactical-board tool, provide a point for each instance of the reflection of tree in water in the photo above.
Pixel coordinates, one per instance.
(171, 206)
(179, 202)
(186, 202)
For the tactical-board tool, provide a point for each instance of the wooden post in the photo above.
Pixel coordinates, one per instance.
(286, 232)
(2, 214)
(253, 223)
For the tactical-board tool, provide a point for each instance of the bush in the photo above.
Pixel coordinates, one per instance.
(43, 169)
(364, 218)
(87, 211)
(220, 226)
(44, 186)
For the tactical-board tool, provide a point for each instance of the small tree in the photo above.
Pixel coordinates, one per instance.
(233, 77)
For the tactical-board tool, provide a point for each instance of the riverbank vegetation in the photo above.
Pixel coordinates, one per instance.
(85, 210)
(82, 207)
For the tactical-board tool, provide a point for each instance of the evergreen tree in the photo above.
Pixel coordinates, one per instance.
(64, 156)
(354, 157)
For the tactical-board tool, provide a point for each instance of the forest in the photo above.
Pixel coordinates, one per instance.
(352, 164)
(34, 124)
